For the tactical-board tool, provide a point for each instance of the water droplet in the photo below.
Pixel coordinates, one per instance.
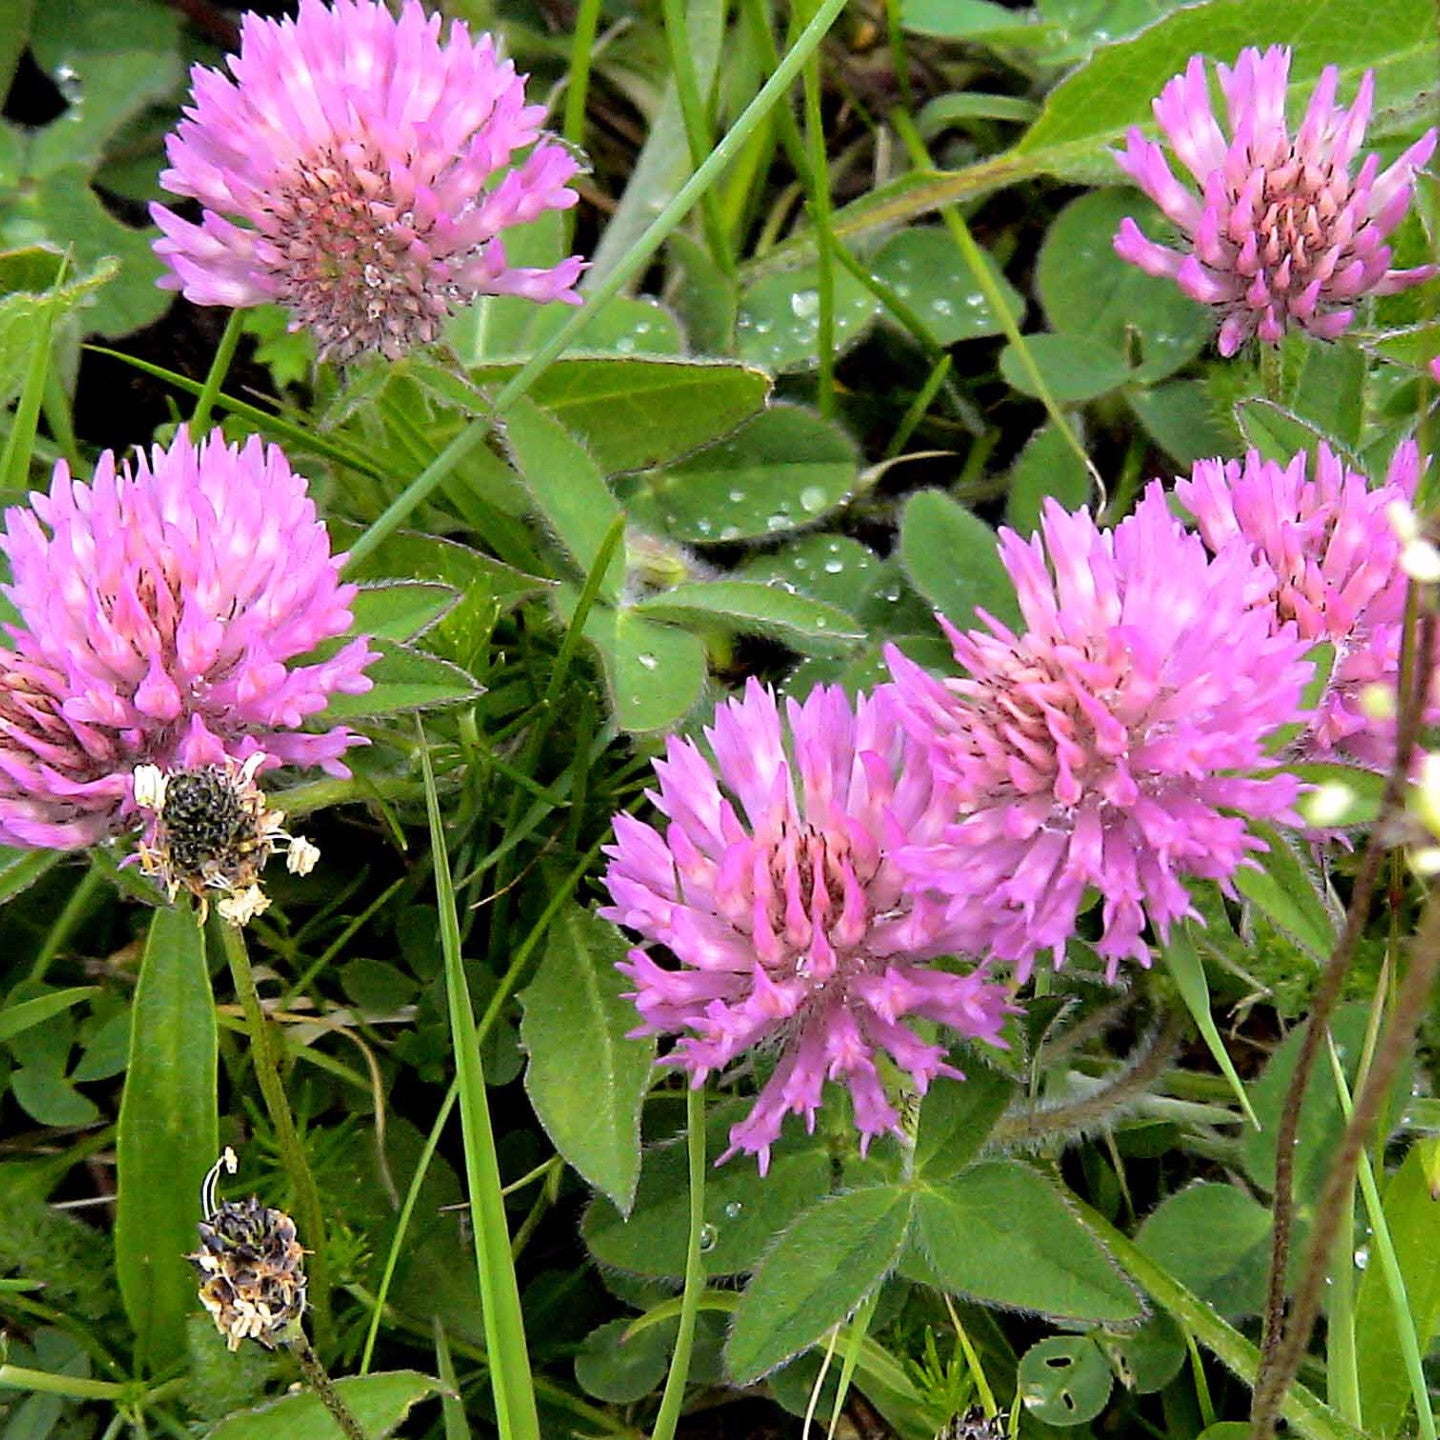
(804, 304)
(812, 499)
(943, 307)
(736, 496)
(834, 567)
(1362, 1257)
(709, 1238)
(703, 525)
(730, 532)
(647, 661)
(763, 327)
(903, 291)
(733, 1209)
(625, 345)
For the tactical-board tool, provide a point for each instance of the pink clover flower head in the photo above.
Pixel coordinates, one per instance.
(1330, 559)
(773, 884)
(1285, 230)
(162, 608)
(1114, 744)
(357, 171)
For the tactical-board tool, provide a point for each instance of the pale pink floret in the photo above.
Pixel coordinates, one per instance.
(161, 609)
(773, 885)
(1284, 230)
(367, 164)
(1331, 561)
(1118, 743)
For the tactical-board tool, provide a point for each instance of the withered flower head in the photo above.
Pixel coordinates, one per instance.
(208, 829)
(251, 1266)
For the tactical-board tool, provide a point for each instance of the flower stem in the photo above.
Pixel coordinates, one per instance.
(219, 369)
(1272, 373)
(292, 1152)
(320, 1382)
(674, 1396)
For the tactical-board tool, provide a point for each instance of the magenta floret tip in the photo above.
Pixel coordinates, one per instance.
(1117, 744)
(1285, 229)
(164, 610)
(1327, 561)
(361, 171)
(788, 925)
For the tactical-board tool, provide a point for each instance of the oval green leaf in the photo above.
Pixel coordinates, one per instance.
(1001, 1233)
(585, 1078)
(817, 1274)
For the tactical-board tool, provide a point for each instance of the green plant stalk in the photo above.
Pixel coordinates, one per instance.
(887, 295)
(916, 411)
(215, 379)
(499, 1293)
(1389, 1267)
(697, 126)
(549, 707)
(76, 908)
(1309, 1417)
(577, 92)
(674, 1395)
(402, 1224)
(1342, 1375)
(665, 222)
(1272, 373)
(73, 1387)
(974, 259)
(817, 187)
(318, 1379)
(308, 1212)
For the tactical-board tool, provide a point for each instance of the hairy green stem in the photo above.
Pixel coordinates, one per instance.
(1153, 1054)
(318, 1379)
(674, 1396)
(308, 1211)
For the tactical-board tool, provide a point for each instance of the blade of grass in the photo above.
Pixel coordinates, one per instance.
(452, 1407)
(817, 186)
(1389, 1264)
(499, 1293)
(577, 91)
(638, 257)
(697, 124)
(674, 1396)
(974, 259)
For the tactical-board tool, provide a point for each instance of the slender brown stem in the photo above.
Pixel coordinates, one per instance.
(1409, 1011)
(308, 1211)
(1268, 1389)
(320, 1382)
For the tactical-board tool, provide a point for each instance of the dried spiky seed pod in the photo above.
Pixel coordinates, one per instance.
(251, 1266)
